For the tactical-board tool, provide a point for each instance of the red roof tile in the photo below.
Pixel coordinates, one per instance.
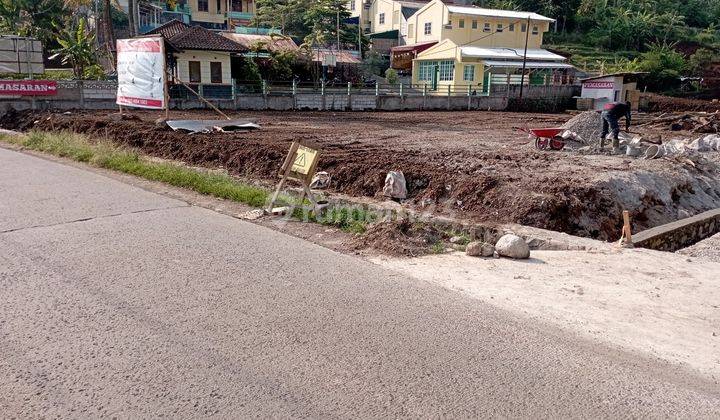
(183, 37)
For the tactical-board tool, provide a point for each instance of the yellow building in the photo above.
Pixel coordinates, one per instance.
(388, 22)
(477, 47)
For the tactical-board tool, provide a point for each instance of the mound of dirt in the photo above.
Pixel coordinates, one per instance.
(468, 165)
(660, 103)
(400, 238)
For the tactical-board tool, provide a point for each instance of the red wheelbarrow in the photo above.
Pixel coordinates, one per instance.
(545, 137)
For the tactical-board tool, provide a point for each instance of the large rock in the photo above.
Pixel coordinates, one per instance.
(512, 246)
(479, 249)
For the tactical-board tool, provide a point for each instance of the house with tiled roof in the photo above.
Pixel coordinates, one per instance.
(200, 57)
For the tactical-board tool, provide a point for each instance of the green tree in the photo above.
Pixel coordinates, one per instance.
(698, 63)
(663, 64)
(36, 18)
(285, 15)
(76, 47)
(325, 18)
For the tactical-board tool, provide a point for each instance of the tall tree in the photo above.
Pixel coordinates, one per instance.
(131, 17)
(109, 33)
(35, 18)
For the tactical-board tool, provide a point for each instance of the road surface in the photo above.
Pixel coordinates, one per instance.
(120, 302)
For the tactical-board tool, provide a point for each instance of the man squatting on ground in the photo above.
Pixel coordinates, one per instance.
(611, 114)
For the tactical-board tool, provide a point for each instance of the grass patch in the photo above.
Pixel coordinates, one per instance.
(347, 219)
(352, 219)
(438, 248)
(105, 155)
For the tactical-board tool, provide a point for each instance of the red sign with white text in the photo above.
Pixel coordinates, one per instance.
(599, 85)
(28, 87)
(141, 72)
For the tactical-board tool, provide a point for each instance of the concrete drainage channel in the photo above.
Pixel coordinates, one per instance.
(680, 234)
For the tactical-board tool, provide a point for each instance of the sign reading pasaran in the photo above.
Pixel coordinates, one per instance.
(28, 87)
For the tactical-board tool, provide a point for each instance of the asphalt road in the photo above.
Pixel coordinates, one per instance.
(120, 302)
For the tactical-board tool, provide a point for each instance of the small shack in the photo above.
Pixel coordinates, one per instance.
(616, 87)
(199, 58)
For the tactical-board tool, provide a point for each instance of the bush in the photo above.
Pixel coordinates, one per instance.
(94, 72)
(375, 64)
(391, 76)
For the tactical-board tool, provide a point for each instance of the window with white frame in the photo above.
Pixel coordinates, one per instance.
(426, 70)
(396, 17)
(352, 4)
(469, 73)
(411, 30)
(486, 27)
(446, 69)
(535, 30)
(499, 27)
(511, 28)
(461, 23)
(428, 28)
(381, 19)
(474, 24)
(523, 27)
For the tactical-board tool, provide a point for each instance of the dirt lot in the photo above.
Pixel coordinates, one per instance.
(472, 165)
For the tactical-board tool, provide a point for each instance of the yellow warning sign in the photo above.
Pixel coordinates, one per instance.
(304, 160)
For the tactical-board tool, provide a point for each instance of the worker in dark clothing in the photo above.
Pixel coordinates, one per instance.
(611, 115)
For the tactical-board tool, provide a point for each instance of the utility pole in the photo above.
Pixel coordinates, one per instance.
(337, 26)
(522, 76)
(360, 35)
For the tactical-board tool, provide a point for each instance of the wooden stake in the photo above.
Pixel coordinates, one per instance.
(626, 236)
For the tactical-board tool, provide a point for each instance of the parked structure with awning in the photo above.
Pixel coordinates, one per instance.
(477, 67)
(510, 53)
(401, 57)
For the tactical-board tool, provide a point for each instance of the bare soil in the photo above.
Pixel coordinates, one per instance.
(471, 165)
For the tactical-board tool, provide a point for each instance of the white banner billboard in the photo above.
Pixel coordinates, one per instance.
(141, 72)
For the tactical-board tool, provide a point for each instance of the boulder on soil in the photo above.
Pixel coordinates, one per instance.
(512, 246)
(320, 180)
(395, 186)
(479, 249)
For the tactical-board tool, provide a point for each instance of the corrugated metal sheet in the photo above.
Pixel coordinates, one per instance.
(510, 53)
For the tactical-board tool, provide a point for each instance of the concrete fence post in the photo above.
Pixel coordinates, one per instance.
(401, 89)
(425, 89)
(81, 92)
(264, 87)
(294, 87)
(322, 87)
(448, 90)
(349, 96)
(233, 90)
(377, 89)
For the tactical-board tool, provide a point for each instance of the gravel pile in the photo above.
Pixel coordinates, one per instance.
(587, 125)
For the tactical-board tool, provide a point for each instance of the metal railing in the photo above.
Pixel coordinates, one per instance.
(349, 88)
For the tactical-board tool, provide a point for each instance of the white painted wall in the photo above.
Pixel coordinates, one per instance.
(204, 57)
